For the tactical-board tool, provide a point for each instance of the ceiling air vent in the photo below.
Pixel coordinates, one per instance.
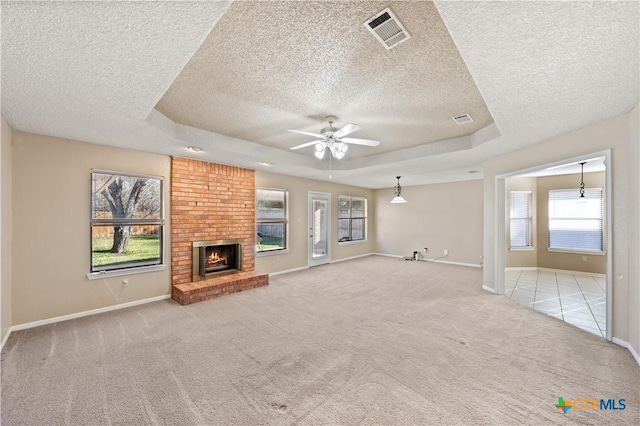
(387, 29)
(463, 119)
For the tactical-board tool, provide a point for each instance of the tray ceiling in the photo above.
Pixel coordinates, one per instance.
(232, 77)
(269, 66)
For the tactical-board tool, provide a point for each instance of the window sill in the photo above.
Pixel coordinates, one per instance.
(272, 252)
(569, 251)
(122, 272)
(521, 248)
(346, 243)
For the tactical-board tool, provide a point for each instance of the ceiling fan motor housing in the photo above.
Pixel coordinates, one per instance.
(333, 138)
(328, 131)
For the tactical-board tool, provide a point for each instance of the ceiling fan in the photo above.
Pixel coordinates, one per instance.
(334, 139)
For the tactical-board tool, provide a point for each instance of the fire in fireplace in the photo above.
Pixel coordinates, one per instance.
(213, 258)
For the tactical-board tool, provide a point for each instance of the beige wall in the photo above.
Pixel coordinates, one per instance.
(298, 221)
(570, 261)
(51, 252)
(634, 229)
(439, 216)
(618, 134)
(540, 256)
(5, 229)
(521, 258)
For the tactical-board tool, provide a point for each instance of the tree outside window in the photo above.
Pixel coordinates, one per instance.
(126, 221)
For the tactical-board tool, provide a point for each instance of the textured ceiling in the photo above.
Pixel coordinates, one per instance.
(95, 71)
(280, 65)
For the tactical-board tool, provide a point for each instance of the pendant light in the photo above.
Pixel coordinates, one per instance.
(582, 180)
(397, 190)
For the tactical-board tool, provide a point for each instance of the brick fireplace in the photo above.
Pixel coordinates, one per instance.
(216, 258)
(211, 203)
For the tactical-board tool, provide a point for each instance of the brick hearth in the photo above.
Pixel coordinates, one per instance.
(188, 293)
(211, 202)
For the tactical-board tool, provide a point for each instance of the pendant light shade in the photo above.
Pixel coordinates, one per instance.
(319, 153)
(397, 192)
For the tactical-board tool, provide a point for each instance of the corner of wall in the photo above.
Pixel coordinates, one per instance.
(5, 230)
(634, 231)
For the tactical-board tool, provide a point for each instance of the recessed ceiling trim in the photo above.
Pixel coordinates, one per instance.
(387, 29)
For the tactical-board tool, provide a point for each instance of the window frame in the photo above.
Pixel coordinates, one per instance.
(600, 251)
(528, 219)
(284, 221)
(351, 218)
(132, 267)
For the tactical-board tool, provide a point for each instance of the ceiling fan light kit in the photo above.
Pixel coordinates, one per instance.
(334, 139)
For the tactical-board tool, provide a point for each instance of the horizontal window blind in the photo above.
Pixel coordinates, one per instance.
(520, 219)
(575, 223)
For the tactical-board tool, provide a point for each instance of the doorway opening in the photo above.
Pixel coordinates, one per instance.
(553, 237)
(319, 228)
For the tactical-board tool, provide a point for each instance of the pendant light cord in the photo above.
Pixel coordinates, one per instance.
(582, 180)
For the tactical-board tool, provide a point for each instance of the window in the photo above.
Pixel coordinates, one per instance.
(575, 223)
(126, 221)
(520, 220)
(352, 218)
(273, 221)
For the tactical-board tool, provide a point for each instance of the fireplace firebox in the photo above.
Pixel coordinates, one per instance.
(216, 258)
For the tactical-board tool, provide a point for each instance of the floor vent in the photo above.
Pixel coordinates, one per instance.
(463, 119)
(386, 28)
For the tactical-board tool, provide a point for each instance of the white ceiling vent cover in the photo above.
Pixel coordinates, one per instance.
(387, 29)
(463, 119)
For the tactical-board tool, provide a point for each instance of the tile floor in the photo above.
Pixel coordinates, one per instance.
(576, 298)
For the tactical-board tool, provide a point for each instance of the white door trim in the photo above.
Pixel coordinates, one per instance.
(318, 196)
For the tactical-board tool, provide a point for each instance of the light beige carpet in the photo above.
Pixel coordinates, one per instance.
(375, 340)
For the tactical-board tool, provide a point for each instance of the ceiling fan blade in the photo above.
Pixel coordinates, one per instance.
(367, 142)
(302, 132)
(305, 144)
(346, 130)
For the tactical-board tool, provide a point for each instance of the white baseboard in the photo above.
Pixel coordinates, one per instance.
(559, 271)
(489, 289)
(6, 337)
(87, 313)
(566, 271)
(523, 268)
(387, 255)
(351, 258)
(473, 265)
(627, 345)
(273, 274)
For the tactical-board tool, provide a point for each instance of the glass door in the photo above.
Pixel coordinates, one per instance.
(319, 226)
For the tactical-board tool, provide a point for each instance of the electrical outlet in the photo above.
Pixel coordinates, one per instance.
(446, 252)
(125, 283)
